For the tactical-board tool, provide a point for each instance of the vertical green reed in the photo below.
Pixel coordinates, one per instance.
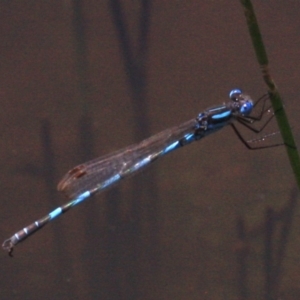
(277, 104)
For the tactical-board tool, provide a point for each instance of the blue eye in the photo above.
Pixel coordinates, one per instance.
(234, 93)
(246, 108)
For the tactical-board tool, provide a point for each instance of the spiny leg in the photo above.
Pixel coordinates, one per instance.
(249, 123)
(264, 98)
(263, 110)
(247, 143)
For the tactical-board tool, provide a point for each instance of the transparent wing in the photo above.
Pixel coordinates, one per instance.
(102, 172)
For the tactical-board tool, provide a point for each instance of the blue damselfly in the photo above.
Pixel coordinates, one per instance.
(92, 177)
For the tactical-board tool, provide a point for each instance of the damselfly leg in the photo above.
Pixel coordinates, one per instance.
(248, 143)
(249, 121)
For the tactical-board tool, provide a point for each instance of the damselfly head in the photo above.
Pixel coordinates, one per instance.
(243, 102)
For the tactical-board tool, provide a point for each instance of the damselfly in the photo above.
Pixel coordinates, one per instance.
(94, 176)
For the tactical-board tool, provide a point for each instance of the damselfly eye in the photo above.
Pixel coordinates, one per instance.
(246, 108)
(234, 94)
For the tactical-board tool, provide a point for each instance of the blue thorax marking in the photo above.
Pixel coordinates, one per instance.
(221, 115)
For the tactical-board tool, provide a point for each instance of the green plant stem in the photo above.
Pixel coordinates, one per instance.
(277, 104)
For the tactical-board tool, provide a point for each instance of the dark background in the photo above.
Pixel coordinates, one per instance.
(79, 79)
